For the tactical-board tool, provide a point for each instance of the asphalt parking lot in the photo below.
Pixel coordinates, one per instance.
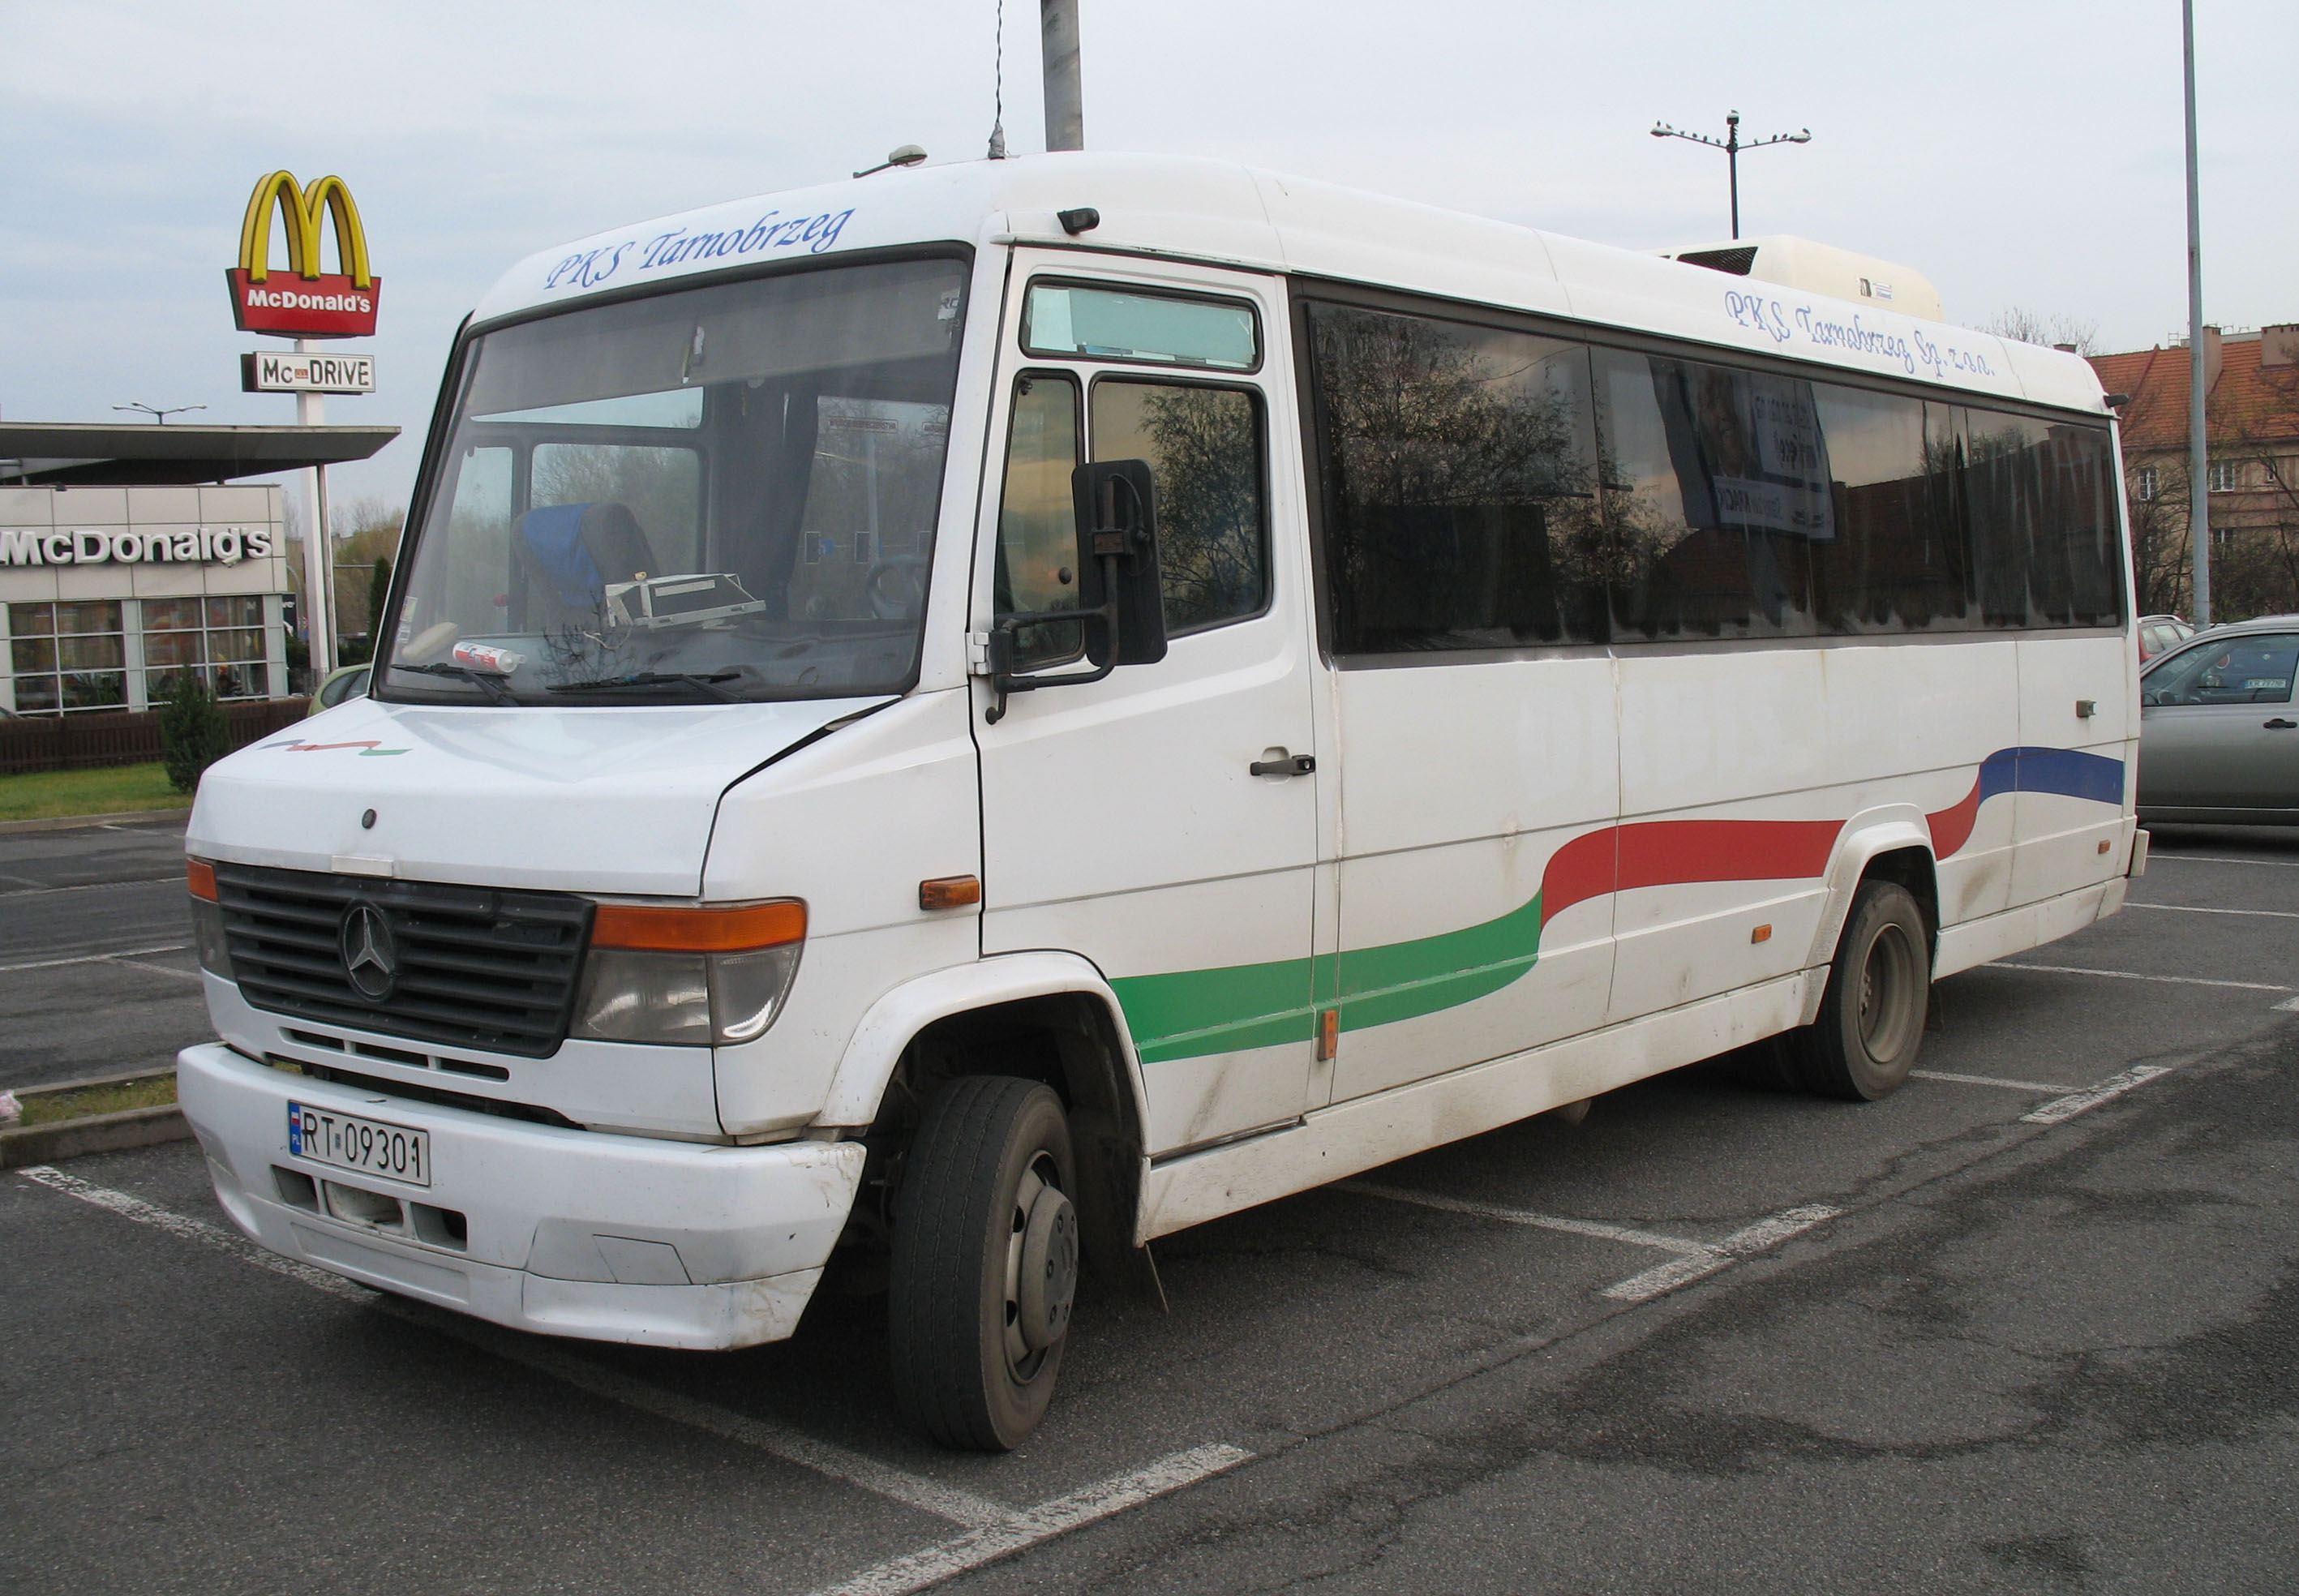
(2026, 1325)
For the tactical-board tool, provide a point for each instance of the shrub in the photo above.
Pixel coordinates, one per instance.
(193, 735)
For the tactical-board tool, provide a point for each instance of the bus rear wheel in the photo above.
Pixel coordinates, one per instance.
(986, 1265)
(1871, 1018)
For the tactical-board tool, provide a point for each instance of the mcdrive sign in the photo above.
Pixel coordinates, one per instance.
(303, 302)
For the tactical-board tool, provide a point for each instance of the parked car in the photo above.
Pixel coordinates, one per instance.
(345, 681)
(2161, 634)
(2219, 735)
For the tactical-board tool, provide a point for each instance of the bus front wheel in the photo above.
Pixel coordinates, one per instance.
(1871, 1018)
(986, 1265)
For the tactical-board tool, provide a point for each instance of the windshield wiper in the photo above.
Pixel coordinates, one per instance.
(708, 681)
(496, 687)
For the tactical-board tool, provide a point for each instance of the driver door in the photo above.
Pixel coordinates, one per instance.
(1121, 820)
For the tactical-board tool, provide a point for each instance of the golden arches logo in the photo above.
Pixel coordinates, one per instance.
(304, 211)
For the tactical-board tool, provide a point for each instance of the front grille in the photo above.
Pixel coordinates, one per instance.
(477, 967)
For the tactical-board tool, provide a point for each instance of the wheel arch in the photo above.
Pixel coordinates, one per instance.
(1042, 1016)
(1893, 843)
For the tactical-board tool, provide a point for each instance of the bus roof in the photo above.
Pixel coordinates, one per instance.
(1226, 214)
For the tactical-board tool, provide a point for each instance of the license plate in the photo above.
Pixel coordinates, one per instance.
(366, 1145)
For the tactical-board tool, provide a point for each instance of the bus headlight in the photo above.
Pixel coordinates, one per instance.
(688, 977)
(207, 919)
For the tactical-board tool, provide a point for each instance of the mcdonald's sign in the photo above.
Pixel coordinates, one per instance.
(303, 302)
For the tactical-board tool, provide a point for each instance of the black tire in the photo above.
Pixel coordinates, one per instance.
(992, 1152)
(1871, 1018)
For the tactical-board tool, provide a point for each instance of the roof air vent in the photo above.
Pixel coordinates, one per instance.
(1736, 261)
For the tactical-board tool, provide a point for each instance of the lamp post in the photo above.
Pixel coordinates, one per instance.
(1732, 146)
(157, 413)
(2199, 451)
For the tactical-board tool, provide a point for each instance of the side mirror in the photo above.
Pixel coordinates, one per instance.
(1117, 503)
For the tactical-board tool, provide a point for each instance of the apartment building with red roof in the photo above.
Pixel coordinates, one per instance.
(2252, 415)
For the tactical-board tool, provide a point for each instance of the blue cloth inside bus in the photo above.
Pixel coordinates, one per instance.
(553, 540)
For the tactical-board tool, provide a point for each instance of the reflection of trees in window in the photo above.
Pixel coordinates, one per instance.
(1206, 452)
(1459, 485)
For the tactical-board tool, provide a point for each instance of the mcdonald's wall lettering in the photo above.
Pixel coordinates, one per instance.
(303, 302)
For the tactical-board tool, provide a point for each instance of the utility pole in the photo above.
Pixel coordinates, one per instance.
(318, 543)
(2199, 448)
(1732, 146)
(1065, 96)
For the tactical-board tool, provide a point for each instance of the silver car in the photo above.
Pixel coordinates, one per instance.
(2219, 735)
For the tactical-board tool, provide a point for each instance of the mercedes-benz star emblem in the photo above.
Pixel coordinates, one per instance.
(370, 956)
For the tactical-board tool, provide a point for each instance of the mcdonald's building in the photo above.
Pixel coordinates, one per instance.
(130, 554)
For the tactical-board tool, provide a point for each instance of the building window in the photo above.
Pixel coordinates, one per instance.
(2147, 482)
(219, 640)
(68, 656)
(2224, 473)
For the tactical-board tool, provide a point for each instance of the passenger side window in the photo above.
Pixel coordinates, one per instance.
(1205, 445)
(1717, 488)
(1897, 560)
(2251, 670)
(1457, 473)
(1037, 525)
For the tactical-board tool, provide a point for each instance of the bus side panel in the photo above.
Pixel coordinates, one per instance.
(1465, 933)
(1739, 768)
(2067, 808)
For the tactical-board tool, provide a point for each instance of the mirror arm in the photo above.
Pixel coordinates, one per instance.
(1003, 682)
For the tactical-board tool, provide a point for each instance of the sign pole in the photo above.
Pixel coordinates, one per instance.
(318, 562)
(2199, 453)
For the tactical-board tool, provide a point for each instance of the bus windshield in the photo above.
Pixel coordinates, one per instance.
(723, 494)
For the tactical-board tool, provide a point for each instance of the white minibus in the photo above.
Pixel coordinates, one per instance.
(944, 726)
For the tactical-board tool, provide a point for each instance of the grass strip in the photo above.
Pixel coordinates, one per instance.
(107, 790)
(49, 1108)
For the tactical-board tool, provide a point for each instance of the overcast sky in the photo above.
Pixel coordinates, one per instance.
(2018, 152)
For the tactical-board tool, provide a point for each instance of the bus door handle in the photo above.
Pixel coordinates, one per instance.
(1284, 764)
(2280, 724)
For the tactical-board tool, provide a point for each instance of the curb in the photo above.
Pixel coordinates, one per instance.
(73, 822)
(98, 1133)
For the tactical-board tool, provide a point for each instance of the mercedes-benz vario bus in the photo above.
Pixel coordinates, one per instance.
(950, 725)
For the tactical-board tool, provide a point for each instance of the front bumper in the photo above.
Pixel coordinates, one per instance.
(563, 1232)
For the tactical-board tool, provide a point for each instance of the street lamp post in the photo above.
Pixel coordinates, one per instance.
(2199, 453)
(157, 413)
(1732, 146)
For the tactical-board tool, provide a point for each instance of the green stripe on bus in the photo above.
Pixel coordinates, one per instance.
(1190, 1013)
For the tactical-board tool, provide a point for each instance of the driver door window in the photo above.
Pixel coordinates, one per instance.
(2241, 670)
(1037, 527)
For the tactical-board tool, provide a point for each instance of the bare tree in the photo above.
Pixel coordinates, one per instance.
(2028, 327)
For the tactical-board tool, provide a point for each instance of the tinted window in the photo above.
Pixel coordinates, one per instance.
(1717, 486)
(1897, 559)
(2044, 542)
(1205, 445)
(1458, 481)
(2250, 669)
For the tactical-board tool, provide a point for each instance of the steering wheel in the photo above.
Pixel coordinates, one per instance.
(896, 587)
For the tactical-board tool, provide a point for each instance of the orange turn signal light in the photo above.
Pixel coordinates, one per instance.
(950, 892)
(1761, 933)
(199, 875)
(699, 930)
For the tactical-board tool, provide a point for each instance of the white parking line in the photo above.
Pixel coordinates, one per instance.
(35, 888)
(1760, 1237)
(823, 1457)
(2156, 854)
(157, 969)
(173, 947)
(2132, 975)
(1984, 1080)
(1517, 1216)
(2091, 1097)
(898, 1576)
(2265, 914)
